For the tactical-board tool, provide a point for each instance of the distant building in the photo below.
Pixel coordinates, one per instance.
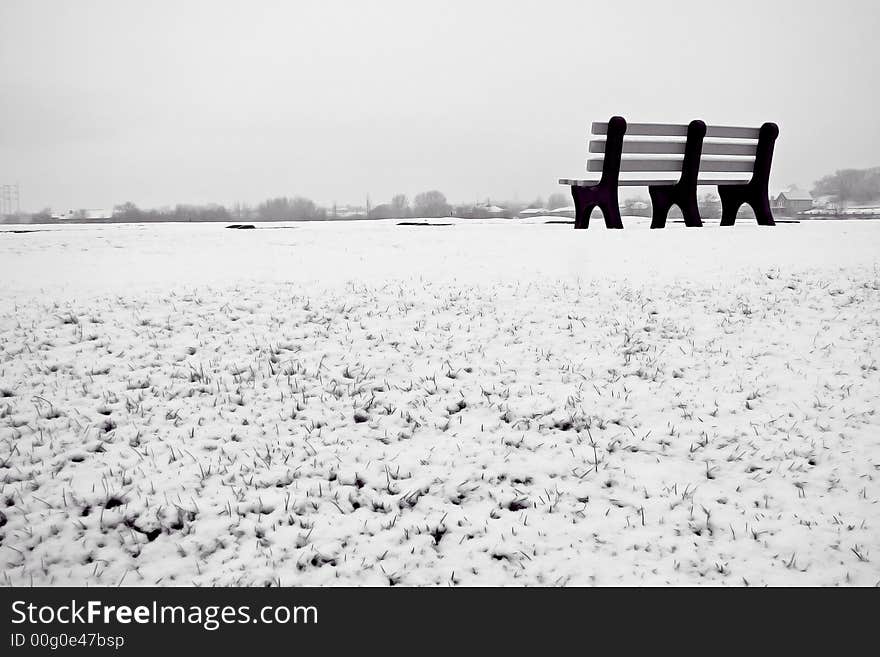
(481, 211)
(349, 212)
(792, 201)
(562, 212)
(826, 202)
(635, 208)
(73, 216)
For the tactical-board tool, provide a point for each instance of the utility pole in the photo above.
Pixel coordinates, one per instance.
(10, 199)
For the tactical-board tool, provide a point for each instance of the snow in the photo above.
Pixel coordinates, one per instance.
(486, 403)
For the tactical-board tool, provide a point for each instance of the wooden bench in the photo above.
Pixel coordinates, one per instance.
(731, 150)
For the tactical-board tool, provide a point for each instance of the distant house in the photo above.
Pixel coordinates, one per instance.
(563, 212)
(792, 201)
(348, 212)
(635, 208)
(533, 212)
(480, 211)
(826, 202)
(74, 216)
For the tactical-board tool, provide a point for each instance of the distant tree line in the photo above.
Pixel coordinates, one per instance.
(428, 204)
(844, 186)
(129, 212)
(850, 186)
(290, 209)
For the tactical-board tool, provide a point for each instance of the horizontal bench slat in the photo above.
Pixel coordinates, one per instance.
(726, 148)
(675, 165)
(731, 132)
(677, 147)
(644, 183)
(678, 130)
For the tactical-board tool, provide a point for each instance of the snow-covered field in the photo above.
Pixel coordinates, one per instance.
(483, 403)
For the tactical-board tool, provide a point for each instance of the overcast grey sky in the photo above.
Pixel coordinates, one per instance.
(164, 102)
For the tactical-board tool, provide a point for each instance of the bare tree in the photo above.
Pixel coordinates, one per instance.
(400, 206)
(709, 205)
(845, 185)
(431, 204)
(290, 209)
(558, 200)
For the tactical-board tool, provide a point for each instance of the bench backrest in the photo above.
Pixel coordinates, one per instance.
(693, 148)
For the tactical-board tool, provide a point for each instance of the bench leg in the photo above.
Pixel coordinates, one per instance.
(663, 197)
(691, 211)
(763, 214)
(734, 196)
(611, 212)
(587, 199)
(601, 196)
(731, 199)
(582, 208)
(582, 216)
(661, 202)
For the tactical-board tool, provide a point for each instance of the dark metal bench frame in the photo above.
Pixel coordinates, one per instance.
(684, 192)
(604, 194)
(755, 192)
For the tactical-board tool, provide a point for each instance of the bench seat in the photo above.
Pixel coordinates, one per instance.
(572, 182)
